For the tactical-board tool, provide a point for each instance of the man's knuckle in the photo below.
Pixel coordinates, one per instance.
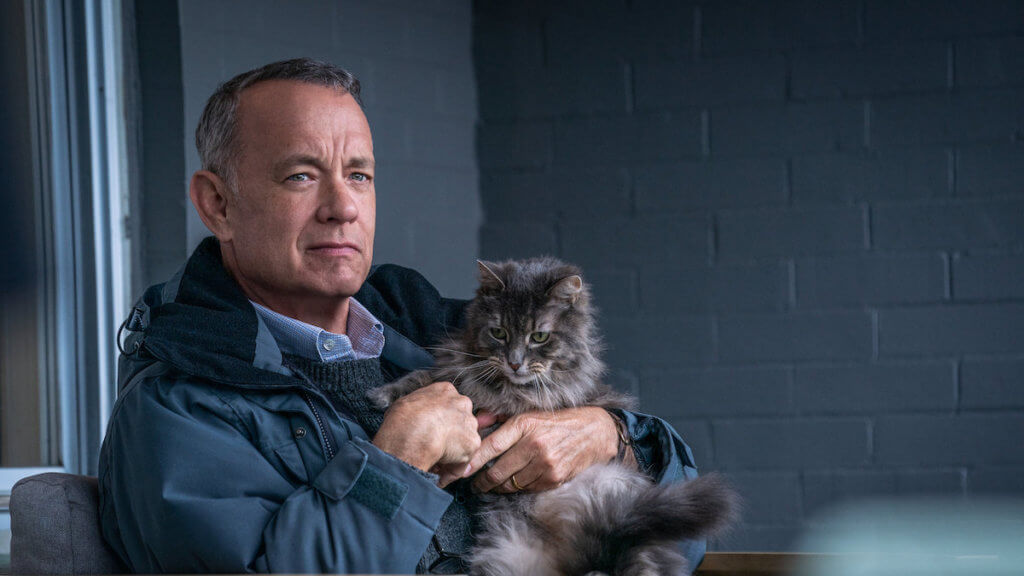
(492, 476)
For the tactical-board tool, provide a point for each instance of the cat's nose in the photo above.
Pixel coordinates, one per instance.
(514, 367)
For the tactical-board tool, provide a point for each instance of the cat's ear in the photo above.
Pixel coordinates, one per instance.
(567, 289)
(488, 278)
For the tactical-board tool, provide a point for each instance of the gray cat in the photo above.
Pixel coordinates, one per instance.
(530, 344)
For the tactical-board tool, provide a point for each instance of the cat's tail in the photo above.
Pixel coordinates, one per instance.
(697, 508)
(634, 532)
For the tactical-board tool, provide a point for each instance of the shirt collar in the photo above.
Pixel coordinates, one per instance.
(365, 338)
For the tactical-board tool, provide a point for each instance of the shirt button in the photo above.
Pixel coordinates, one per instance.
(300, 432)
(328, 345)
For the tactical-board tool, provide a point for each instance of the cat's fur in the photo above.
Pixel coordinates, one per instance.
(609, 519)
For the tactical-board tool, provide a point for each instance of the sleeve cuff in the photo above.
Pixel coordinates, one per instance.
(383, 483)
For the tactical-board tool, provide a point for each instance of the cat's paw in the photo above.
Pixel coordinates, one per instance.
(384, 396)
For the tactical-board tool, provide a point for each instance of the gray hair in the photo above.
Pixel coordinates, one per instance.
(218, 126)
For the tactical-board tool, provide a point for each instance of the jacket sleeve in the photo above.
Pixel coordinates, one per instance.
(661, 452)
(184, 489)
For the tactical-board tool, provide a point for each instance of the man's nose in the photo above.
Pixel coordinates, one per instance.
(337, 202)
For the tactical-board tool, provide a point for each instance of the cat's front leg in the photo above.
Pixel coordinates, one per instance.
(384, 396)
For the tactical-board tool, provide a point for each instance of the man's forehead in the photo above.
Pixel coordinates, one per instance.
(287, 100)
(288, 109)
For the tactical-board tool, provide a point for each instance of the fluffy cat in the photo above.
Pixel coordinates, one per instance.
(530, 343)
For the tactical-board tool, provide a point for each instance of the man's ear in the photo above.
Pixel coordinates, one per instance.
(209, 194)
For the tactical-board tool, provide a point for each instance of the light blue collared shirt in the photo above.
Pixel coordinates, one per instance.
(365, 338)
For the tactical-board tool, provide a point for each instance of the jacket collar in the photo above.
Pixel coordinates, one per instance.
(201, 323)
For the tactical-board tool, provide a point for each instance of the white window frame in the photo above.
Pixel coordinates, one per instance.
(79, 141)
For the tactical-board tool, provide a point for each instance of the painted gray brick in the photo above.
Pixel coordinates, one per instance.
(567, 193)
(996, 480)
(610, 33)
(443, 141)
(441, 39)
(889, 20)
(457, 94)
(950, 440)
(829, 488)
(407, 90)
(428, 192)
(851, 178)
(696, 434)
(875, 388)
(686, 185)
(646, 241)
(753, 26)
(992, 115)
(365, 27)
(953, 225)
(952, 330)
(645, 342)
(820, 442)
(992, 384)
(501, 40)
(823, 489)
(618, 139)
(935, 482)
(718, 391)
(622, 380)
(517, 240)
(988, 276)
(990, 62)
(768, 497)
(823, 282)
(870, 71)
(536, 92)
(759, 287)
(793, 128)
(990, 171)
(447, 260)
(614, 290)
(748, 234)
(795, 336)
(520, 145)
(711, 82)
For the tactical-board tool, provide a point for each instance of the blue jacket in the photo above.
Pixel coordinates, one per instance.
(218, 459)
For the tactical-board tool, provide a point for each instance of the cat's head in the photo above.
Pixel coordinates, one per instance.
(533, 322)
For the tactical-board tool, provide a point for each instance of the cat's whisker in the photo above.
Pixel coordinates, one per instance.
(470, 367)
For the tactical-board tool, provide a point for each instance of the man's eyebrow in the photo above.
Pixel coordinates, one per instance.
(361, 162)
(297, 159)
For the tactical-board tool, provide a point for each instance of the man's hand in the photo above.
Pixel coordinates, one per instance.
(544, 449)
(433, 426)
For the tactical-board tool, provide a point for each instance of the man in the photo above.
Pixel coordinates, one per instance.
(241, 439)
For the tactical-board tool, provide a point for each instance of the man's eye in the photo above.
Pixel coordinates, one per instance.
(301, 177)
(360, 177)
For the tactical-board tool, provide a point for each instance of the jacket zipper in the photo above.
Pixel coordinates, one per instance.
(320, 424)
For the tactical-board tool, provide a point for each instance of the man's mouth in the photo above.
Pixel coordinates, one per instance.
(344, 248)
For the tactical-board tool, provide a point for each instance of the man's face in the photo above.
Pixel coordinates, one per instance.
(301, 226)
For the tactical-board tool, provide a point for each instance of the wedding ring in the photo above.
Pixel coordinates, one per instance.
(516, 484)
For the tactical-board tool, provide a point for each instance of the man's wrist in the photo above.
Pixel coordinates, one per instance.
(624, 449)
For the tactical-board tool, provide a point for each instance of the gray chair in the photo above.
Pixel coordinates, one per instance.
(55, 527)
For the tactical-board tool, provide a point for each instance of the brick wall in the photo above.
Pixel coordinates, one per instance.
(803, 220)
(414, 61)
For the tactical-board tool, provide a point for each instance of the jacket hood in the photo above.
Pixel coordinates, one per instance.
(200, 322)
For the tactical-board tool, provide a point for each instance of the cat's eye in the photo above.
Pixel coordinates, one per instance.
(540, 337)
(499, 333)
